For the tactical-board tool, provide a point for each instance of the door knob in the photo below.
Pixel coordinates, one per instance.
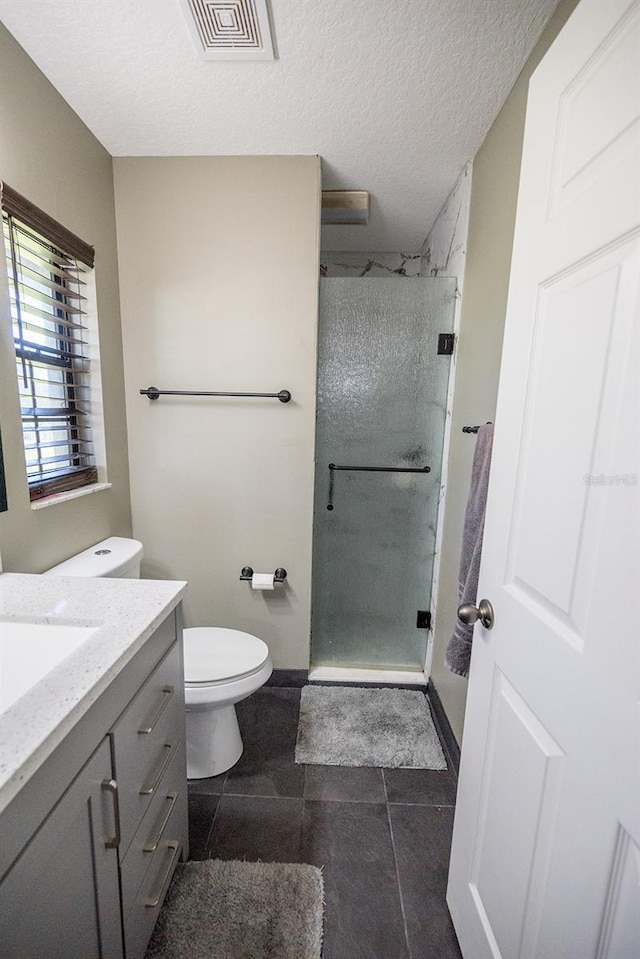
(470, 614)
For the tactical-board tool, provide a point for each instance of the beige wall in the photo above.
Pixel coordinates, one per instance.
(494, 190)
(219, 275)
(48, 155)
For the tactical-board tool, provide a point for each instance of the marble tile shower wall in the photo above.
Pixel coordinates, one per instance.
(444, 253)
(445, 248)
(370, 264)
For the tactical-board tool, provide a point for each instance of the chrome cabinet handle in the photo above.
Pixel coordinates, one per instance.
(111, 786)
(152, 844)
(148, 789)
(153, 901)
(168, 692)
(470, 614)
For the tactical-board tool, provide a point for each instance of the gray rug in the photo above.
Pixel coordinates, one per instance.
(240, 910)
(347, 726)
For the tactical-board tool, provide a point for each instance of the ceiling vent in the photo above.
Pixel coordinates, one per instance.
(229, 29)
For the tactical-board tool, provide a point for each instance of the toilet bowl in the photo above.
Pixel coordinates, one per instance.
(222, 666)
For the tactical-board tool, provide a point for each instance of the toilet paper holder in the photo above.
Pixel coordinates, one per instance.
(278, 577)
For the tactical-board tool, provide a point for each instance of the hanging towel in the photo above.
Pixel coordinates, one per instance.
(458, 652)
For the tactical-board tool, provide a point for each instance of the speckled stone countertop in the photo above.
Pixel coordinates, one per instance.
(128, 611)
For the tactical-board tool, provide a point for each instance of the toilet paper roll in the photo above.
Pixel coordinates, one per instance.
(262, 581)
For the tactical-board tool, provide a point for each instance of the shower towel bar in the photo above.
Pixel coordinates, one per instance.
(153, 393)
(372, 469)
(383, 469)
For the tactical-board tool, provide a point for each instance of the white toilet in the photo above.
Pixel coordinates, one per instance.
(221, 666)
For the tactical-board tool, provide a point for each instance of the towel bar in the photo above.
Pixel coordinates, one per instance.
(383, 469)
(371, 469)
(153, 393)
(474, 429)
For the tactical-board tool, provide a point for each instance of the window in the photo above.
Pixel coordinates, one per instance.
(48, 269)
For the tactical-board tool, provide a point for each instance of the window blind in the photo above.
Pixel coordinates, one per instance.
(47, 293)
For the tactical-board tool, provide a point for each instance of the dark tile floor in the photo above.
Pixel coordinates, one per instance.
(382, 836)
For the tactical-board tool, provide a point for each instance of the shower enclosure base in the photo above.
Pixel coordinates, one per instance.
(347, 674)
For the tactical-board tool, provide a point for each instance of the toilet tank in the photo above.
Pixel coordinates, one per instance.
(113, 557)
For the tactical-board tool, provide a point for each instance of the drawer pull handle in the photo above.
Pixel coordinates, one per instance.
(148, 789)
(110, 786)
(152, 844)
(154, 901)
(167, 692)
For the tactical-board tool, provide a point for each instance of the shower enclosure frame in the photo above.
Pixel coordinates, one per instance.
(417, 671)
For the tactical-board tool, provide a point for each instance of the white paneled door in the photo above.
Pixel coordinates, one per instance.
(546, 849)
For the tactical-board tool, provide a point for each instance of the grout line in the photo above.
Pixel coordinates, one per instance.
(395, 862)
(208, 841)
(351, 802)
(384, 785)
(347, 802)
(425, 805)
(302, 843)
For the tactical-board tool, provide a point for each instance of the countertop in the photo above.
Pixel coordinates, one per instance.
(127, 610)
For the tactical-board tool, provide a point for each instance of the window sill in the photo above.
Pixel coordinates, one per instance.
(70, 494)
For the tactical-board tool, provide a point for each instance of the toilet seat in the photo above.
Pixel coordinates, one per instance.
(214, 655)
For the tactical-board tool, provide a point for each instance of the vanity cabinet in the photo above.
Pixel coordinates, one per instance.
(94, 837)
(62, 896)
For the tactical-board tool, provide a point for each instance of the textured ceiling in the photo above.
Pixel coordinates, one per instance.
(395, 95)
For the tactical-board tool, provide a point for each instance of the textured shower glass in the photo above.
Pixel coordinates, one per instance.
(381, 402)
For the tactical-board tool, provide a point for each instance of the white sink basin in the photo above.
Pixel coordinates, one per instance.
(29, 651)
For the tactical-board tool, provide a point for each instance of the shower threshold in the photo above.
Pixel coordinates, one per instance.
(349, 674)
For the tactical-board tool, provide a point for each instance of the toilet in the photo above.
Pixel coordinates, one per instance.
(221, 666)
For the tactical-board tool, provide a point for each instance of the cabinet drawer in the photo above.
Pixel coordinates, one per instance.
(148, 902)
(146, 739)
(166, 817)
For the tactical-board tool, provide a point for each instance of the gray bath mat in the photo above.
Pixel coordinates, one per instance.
(240, 910)
(346, 726)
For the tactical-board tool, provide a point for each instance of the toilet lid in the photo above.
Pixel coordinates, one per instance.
(212, 654)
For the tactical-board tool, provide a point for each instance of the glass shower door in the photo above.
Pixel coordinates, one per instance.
(381, 403)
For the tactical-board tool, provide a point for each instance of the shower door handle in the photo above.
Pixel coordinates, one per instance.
(383, 469)
(371, 469)
(470, 614)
